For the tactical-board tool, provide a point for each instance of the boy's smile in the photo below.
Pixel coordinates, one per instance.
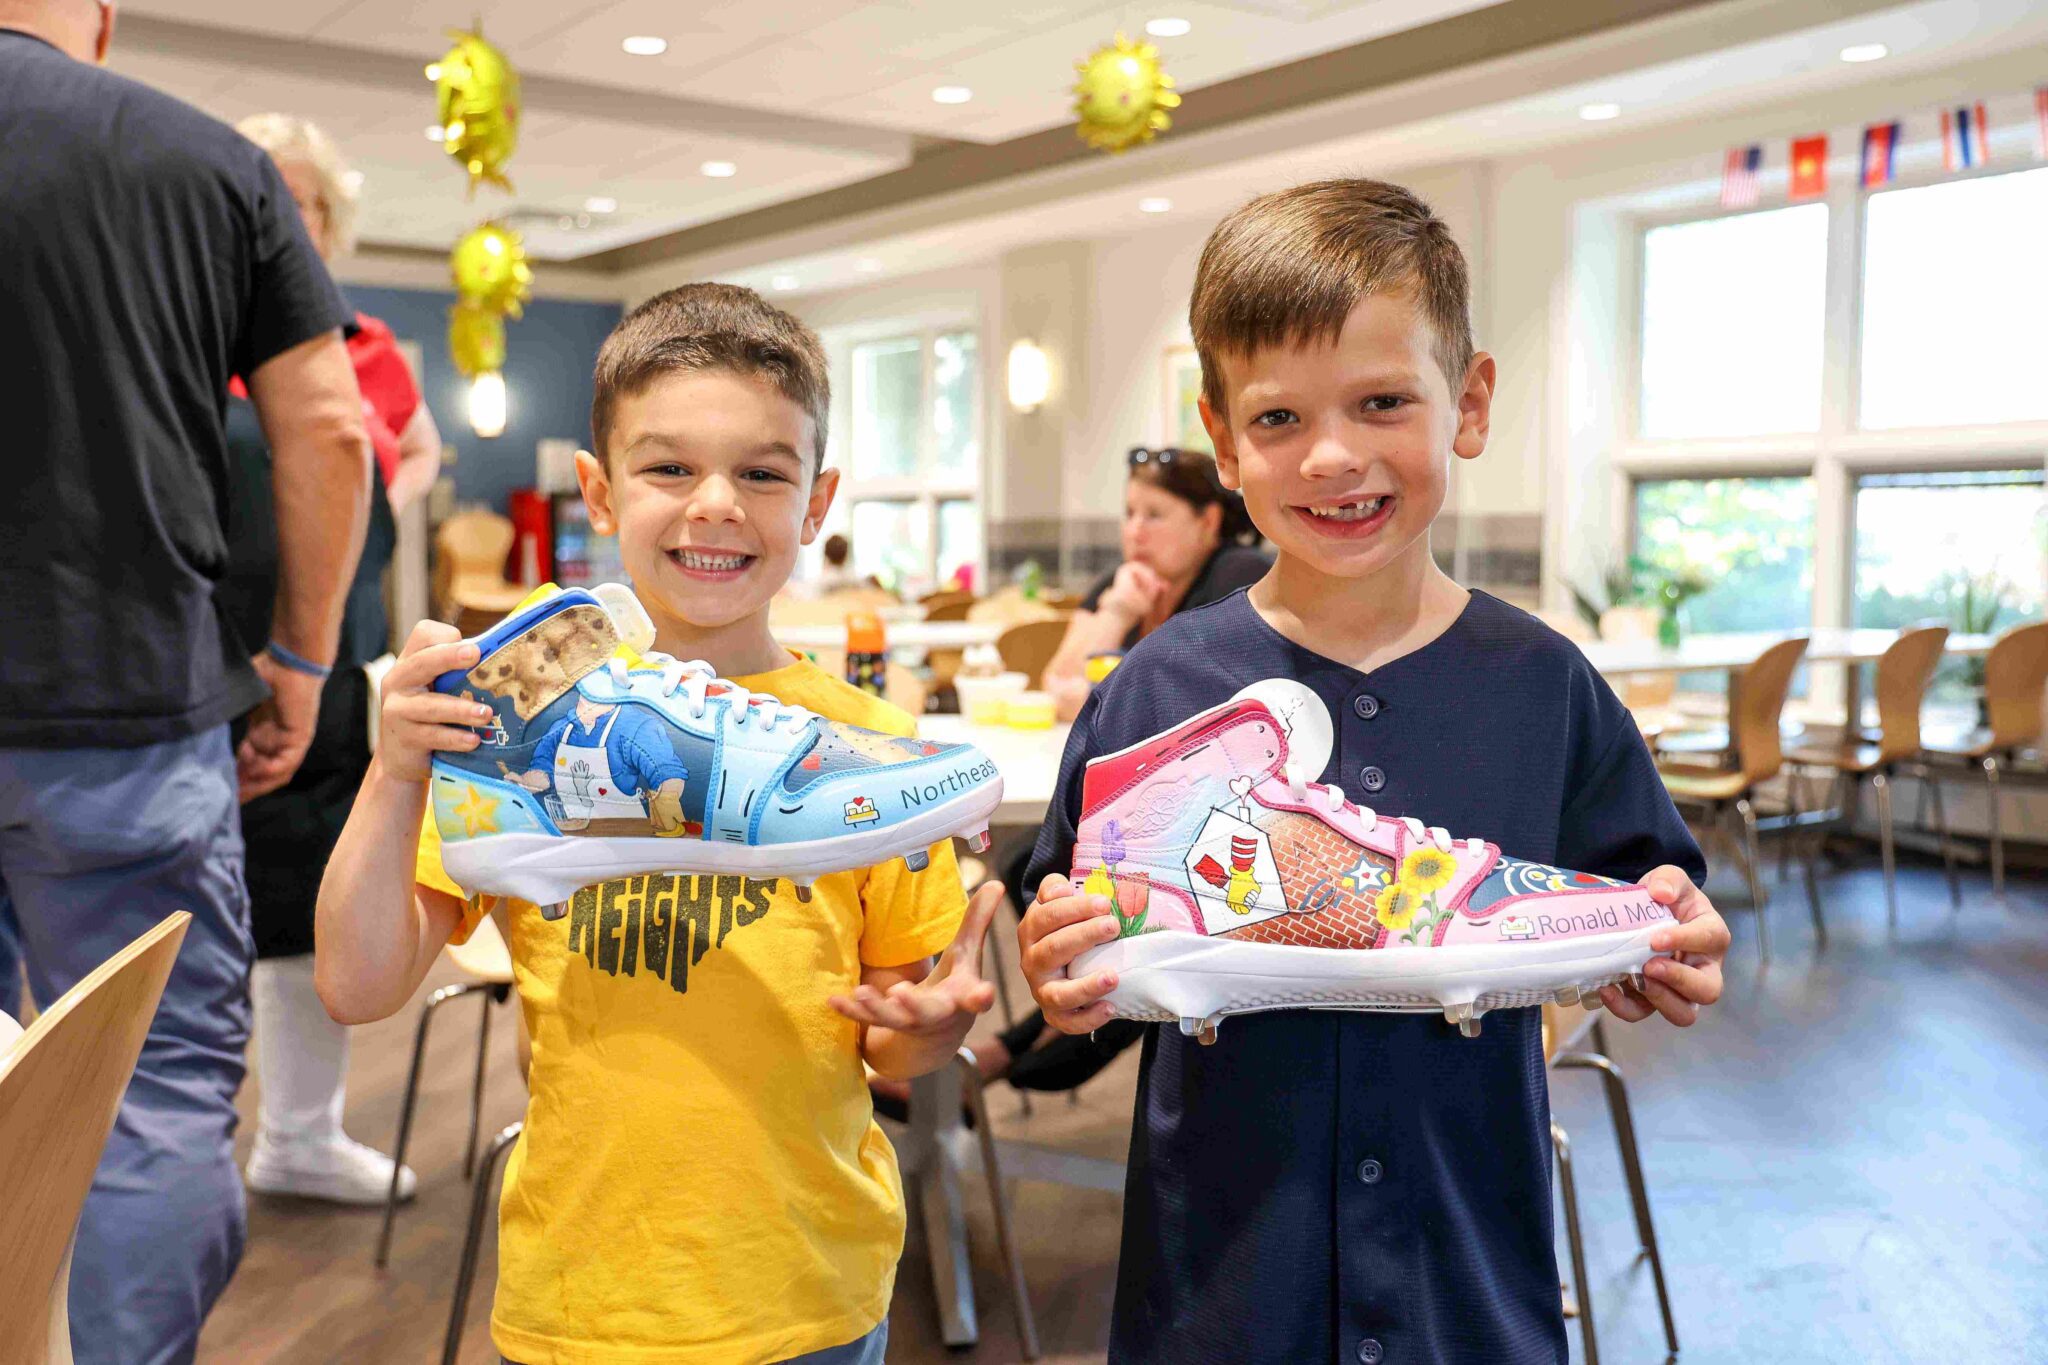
(1342, 448)
(711, 486)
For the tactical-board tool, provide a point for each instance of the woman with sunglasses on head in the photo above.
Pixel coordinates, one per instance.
(1187, 542)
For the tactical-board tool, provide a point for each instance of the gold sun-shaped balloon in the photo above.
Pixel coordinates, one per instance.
(477, 93)
(490, 269)
(476, 339)
(1122, 96)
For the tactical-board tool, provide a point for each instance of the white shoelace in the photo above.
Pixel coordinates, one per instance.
(1333, 800)
(693, 678)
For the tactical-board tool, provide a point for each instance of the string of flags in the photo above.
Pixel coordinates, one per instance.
(1965, 145)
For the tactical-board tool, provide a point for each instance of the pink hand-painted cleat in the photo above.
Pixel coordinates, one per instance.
(1240, 889)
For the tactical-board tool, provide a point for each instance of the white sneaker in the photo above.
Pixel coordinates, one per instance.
(338, 1169)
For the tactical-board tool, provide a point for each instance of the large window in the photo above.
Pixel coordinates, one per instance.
(910, 500)
(1955, 303)
(1732, 324)
(1839, 414)
(1749, 540)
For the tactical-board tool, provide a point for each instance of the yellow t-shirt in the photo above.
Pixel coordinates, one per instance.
(701, 1180)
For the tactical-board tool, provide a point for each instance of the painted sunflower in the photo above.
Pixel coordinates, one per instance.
(1428, 869)
(1395, 907)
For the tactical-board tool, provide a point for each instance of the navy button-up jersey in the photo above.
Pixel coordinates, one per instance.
(1324, 1185)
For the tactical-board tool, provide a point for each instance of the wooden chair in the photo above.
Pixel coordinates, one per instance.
(60, 1086)
(1029, 647)
(941, 605)
(469, 570)
(2015, 676)
(1903, 672)
(486, 965)
(1010, 607)
(1756, 697)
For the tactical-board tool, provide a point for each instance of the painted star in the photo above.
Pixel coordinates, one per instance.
(1365, 877)
(477, 812)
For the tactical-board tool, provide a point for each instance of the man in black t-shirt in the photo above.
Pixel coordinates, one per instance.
(147, 255)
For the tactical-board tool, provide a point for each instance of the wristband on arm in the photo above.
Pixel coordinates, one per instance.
(297, 663)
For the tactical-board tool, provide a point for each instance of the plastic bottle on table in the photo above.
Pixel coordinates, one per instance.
(867, 652)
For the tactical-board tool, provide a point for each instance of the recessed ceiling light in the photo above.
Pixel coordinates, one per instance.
(719, 170)
(1599, 113)
(642, 45)
(784, 282)
(1168, 28)
(867, 265)
(952, 94)
(1865, 52)
(601, 203)
(436, 133)
(1154, 205)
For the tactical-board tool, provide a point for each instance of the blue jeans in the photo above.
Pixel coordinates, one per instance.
(97, 846)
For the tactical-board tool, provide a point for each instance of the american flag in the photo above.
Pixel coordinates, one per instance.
(1965, 137)
(1880, 153)
(1739, 187)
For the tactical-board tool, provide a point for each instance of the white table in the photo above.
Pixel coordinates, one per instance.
(899, 634)
(1718, 653)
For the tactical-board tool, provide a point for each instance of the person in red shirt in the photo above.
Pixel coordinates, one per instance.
(301, 1054)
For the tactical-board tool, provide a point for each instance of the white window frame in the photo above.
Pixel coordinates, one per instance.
(922, 487)
(1836, 454)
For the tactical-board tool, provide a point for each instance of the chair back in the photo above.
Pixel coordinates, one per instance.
(2015, 675)
(1756, 699)
(1903, 672)
(949, 609)
(60, 1087)
(1028, 648)
(944, 597)
(1009, 607)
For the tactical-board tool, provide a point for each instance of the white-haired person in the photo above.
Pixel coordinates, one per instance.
(301, 1054)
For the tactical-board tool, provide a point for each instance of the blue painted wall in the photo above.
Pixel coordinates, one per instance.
(548, 358)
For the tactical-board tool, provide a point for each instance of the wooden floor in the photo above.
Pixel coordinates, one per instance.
(1848, 1161)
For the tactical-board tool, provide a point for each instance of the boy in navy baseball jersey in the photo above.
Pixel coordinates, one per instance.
(1331, 1185)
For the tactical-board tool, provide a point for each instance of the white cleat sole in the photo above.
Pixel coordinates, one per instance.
(548, 869)
(1198, 981)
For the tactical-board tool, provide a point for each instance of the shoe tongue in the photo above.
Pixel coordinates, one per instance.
(629, 618)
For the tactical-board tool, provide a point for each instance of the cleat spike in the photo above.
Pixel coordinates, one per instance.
(1636, 979)
(1591, 1000)
(1202, 1031)
(1207, 1037)
(555, 911)
(980, 841)
(1469, 1026)
(918, 861)
(1566, 995)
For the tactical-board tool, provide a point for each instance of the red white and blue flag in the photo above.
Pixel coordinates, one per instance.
(1739, 187)
(1881, 153)
(1965, 137)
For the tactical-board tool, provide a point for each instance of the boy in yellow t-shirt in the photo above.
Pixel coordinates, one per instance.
(700, 1180)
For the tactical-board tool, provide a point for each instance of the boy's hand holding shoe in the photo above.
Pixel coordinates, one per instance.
(1676, 986)
(925, 1021)
(414, 721)
(1058, 927)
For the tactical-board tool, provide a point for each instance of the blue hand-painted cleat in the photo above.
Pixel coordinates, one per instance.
(595, 767)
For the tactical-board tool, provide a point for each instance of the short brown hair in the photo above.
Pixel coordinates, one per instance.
(710, 327)
(1288, 268)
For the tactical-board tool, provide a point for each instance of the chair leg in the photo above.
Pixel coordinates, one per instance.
(1792, 804)
(1931, 784)
(970, 1085)
(476, 1091)
(1576, 1242)
(1881, 784)
(1997, 827)
(472, 1242)
(405, 1110)
(1002, 980)
(1752, 867)
(1632, 1167)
